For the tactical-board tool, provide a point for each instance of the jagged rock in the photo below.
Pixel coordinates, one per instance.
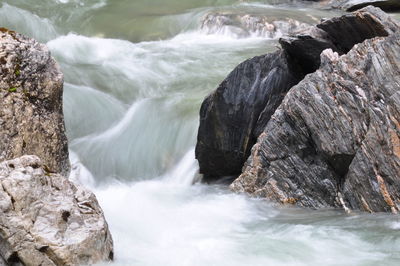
(340, 34)
(234, 115)
(334, 141)
(47, 220)
(245, 25)
(352, 5)
(31, 86)
(350, 29)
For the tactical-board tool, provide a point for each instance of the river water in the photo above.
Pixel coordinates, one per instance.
(136, 72)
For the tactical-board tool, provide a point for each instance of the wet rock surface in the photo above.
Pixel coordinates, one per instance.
(31, 86)
(236, 113)
(47, 220)
(334, 141)
(228, 117)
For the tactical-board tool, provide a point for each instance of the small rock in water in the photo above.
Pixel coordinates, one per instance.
(246, 25)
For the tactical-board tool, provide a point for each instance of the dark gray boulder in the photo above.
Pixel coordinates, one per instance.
(236, 113)
(228, 116)
(307, 46)
(350, 29)
(335, 140)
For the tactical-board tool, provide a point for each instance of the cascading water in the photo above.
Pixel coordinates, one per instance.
(136, 73)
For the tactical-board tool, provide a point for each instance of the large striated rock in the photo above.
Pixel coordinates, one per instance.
(236, 113)
(352, 5)
(31, 86)
(334, 141)
(47, 220)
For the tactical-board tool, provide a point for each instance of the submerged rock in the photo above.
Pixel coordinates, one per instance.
(334, 141)
(245, 25)
(47, 220)
(31, 118)
(236, 113)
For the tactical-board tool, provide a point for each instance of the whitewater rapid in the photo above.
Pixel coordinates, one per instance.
(136, 73)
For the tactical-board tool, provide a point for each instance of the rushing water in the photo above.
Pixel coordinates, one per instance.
(136, 72)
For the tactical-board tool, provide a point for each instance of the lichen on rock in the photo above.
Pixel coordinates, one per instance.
(31, 87)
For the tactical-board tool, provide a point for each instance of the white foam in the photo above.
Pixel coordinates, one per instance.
(395, 225)
(92, 3)
(184, 173)
(121, 126)
(79, 173)
(158, 223)
(88, 111)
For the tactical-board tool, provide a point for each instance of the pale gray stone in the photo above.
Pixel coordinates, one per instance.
(47, 220)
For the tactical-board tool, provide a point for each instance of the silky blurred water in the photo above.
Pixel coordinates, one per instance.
(136, 72)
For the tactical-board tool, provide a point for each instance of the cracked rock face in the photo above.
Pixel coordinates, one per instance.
(47, 220)
(335, 139)
(31, 118)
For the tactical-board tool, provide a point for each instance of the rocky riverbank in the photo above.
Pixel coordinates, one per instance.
(44, 218)
(332, 140)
